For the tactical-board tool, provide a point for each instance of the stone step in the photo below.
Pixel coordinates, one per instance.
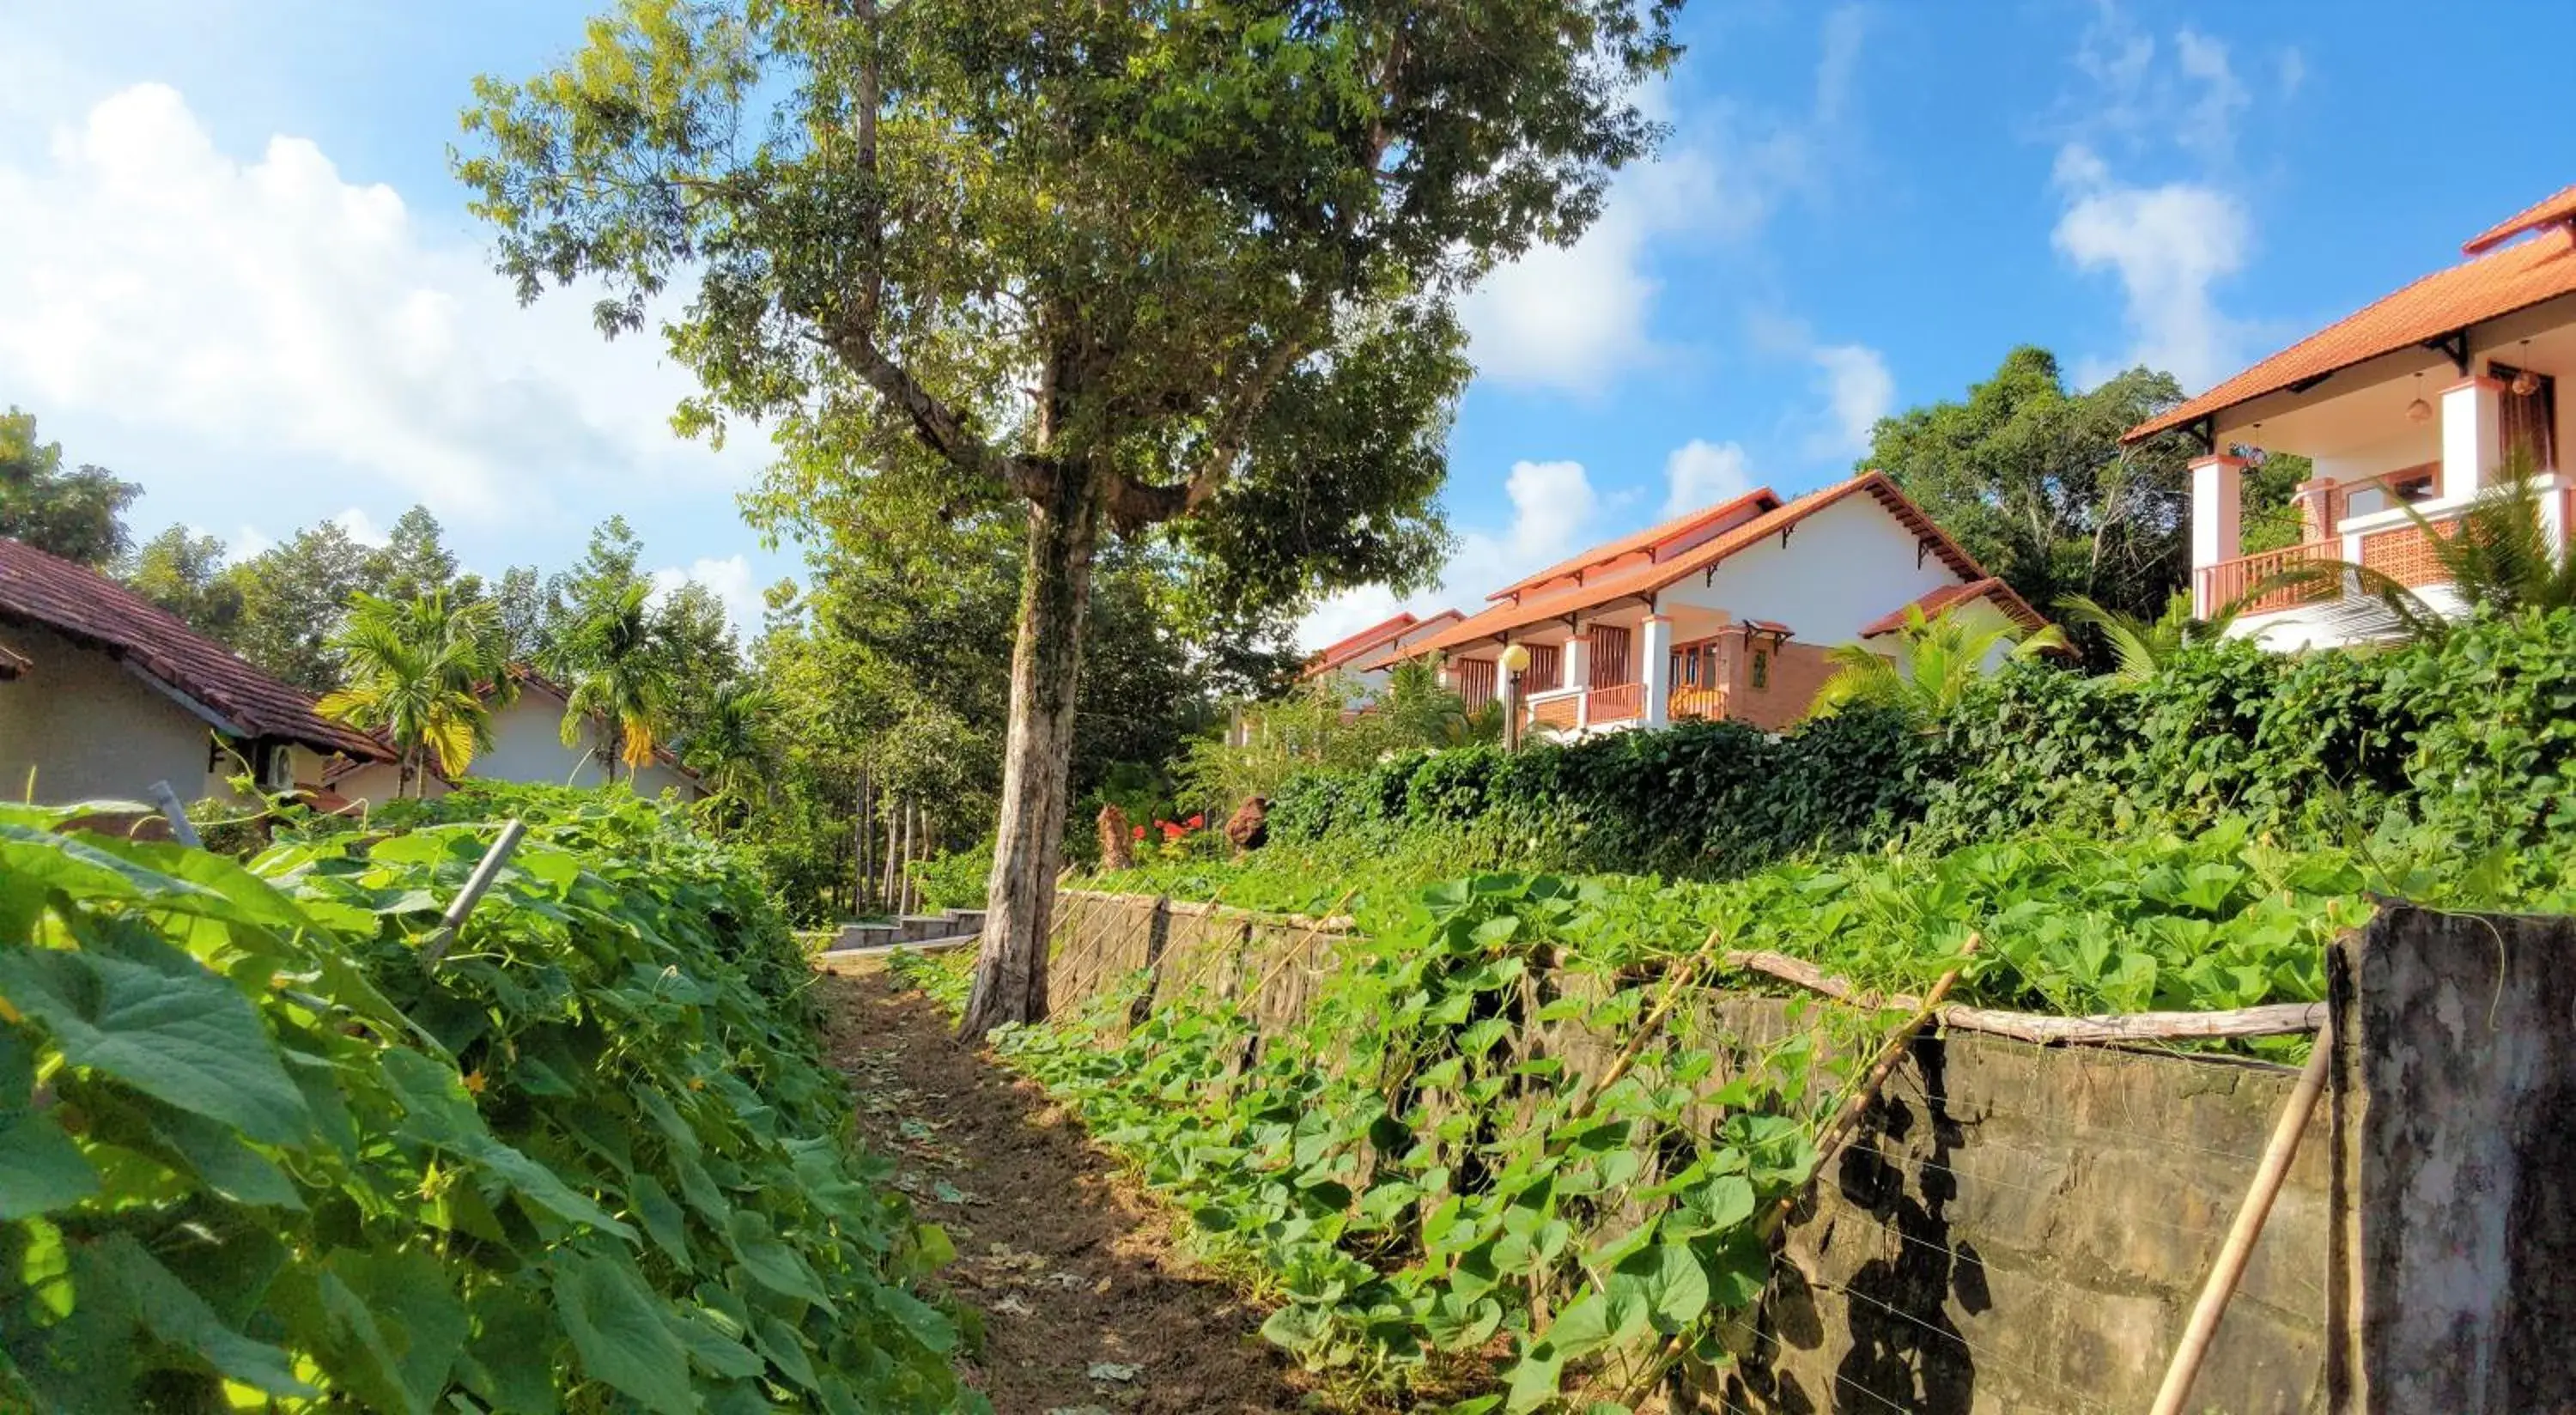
(921, 926)
(866, 936)
(966, 921)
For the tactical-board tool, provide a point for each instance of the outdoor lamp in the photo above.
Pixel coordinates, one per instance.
(1515, 658)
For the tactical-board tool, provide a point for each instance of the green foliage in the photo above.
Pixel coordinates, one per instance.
(1416, 1179)
(185, 573)
(77, 514)
(418, 670)
(1697, 798)
(2142, 647)
(592, 1161)
(1930, 663)
(954, 880)
(622, 679)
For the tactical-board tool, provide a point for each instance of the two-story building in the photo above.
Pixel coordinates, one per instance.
(1729, 611)
(2416, 401)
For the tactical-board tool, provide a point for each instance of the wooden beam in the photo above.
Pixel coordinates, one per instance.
(2276, 1020)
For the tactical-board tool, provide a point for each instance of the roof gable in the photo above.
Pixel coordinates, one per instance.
(1656, 542)
(97, 612)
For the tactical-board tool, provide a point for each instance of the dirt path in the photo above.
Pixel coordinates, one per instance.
(1088, 1309)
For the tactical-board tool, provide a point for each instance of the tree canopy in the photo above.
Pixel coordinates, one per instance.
(78, 514)
(1129, 265)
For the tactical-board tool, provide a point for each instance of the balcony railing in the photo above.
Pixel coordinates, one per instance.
(1686, 703)
(2231, 580)
(1620, 702)
(1555, 709)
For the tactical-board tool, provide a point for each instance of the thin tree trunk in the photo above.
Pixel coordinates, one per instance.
(1046, 669)
(894, 834)
(903, 862)
(859, 860)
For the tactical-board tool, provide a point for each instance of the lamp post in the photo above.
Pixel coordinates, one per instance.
(1513, 659)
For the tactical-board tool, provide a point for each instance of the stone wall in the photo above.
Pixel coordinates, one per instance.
(2018, 1229)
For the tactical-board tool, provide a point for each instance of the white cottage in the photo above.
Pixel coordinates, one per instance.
(527, 746)
(1727, 612)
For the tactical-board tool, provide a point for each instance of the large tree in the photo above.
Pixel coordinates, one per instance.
(186, 574)
(418, 670)
(77, 514)
(1096, 258)
(2030, 475)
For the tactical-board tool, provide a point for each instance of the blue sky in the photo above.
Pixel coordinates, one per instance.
(233, 265)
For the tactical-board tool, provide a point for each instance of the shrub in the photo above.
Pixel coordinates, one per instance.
(954, 880)
(592, 1160)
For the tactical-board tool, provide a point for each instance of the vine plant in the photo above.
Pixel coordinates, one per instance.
(1427, 1166)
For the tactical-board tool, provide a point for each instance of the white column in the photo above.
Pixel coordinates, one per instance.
(2472, 435)
(1577, 674)
(2217, 499)
(1658, 648)
(1503, 688)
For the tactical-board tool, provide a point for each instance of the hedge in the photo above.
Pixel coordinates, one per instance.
(2473, 738)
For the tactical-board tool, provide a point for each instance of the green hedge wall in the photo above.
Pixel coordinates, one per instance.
(2473, 739)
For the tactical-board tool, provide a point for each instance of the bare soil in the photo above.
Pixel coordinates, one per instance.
(1088, 1307)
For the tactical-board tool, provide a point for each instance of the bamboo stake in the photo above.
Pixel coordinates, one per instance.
(1253, 998)
(2248, 1227)
(182, 829)
(1678, 979)
(435, 946)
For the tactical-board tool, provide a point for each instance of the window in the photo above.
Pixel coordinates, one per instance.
(1761, 674)
(2529, 420)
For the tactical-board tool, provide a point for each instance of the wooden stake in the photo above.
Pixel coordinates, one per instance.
(182, 829)
(2241, 1235)
(435, 946)
(2272, 1020)
(1678, 979)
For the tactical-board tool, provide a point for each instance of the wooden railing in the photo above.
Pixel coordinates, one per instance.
(2230, 580)
(1619, 702)
(1709, 703)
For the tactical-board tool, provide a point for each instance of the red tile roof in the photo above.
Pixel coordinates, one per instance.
(1643, 542)
(1641, 581)
(2498, 280)
(1933, 602)
(1341, 652)
(2556, 207)
(89, 608)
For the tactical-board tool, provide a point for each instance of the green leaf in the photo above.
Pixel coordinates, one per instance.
(714, 1352)
(173, 1312)
(770, 1262)
(388, 1326)
(660, 1214)
(41, 1168)
(618, 1332)
(1670, 1281)
(511, 1363)
(167, 1027)
(226, 1165)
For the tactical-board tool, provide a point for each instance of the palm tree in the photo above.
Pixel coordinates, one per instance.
(621, 678)
(2497, 556)
(1422, 710)
(416, 671)
(1934, 663)
(2142, 647)
(735, 748)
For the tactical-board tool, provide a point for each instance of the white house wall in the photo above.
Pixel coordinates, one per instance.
(1844, 568)
(91, 730)
(527, 745)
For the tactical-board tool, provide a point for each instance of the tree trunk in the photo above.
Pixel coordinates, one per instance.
(859, 861)
(885, 871)
(1046, 667)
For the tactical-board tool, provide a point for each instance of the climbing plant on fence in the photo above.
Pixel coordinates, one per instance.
(1419, 1171)
(251, 1150)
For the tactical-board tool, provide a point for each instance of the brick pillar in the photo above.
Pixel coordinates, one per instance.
(2316, 498)
(2451, 1264)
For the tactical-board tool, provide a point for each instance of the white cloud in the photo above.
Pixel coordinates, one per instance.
(2208, 121)
(733, 584)
(1575, 319)
(2168, 245)
(1701, 473)
(1553, 508)
(360, 527)
(267, 306)
(1858, 392)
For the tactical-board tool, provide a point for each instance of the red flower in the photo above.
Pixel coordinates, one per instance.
(1197, 821)
(1170, 831)
(1140, 832)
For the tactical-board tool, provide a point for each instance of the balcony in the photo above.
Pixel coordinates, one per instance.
(1577, 710)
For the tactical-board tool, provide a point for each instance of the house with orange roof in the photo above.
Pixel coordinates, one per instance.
(2416, 401)
(1367, 656)
(528, 746)
(1730, 611)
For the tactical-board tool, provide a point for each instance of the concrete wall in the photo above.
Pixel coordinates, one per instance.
(90, 729)
(2017, 1229)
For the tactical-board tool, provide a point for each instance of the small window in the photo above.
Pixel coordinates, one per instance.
(1761, 675)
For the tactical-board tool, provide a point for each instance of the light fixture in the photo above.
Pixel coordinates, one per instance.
(1515, 657)
(2525, 382)
(2419, 410)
